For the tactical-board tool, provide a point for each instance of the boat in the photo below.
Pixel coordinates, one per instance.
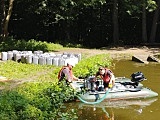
(124, 88)
(123, 103)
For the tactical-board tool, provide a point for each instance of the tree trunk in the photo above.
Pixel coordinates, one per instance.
(115, 23)
(154, 24)
(144, 30)
(2, 16)
(6, 22)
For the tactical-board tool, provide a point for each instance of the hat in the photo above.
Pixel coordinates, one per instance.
(71, 63)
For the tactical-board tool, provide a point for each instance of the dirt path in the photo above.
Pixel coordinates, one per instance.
(114, 51)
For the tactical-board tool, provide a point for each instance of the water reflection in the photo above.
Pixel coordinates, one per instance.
(111, 110)
(122, 103)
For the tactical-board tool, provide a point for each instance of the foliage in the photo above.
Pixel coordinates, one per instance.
(135, 6)
(33, 45)
(151, 5)
(88, 23)
(89, 66)
(36, 101)
(42, 98)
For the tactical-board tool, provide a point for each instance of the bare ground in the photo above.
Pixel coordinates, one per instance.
(115, 51)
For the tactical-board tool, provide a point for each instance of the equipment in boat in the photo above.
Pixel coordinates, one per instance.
(124, 88)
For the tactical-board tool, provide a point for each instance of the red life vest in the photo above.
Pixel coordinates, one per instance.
(106, 76)
(60, 72)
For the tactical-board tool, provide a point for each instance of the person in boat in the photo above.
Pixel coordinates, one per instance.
(107, 76)
(66, 73)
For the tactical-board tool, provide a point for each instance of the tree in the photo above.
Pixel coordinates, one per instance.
(2, 16)
(150, 5)
(141, 7)
(115, 22)
(6, 18)
(144, 27)
(154, 24)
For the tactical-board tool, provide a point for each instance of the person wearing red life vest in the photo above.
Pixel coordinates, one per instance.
(107, 76)
(67, 73)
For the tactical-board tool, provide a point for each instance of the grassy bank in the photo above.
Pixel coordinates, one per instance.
(31, 91)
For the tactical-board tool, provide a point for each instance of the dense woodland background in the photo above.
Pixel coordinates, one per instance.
(90, 23)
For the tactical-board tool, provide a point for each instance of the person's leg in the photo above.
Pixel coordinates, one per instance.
(97, 84)
(105, 86)
(92, 86)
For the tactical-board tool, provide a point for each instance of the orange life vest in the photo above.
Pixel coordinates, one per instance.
(60, 72)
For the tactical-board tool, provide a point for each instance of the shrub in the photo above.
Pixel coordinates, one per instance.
(32, 45)
(89, 66)
(36, 101)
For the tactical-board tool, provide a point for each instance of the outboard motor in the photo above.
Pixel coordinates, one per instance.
(137, 77)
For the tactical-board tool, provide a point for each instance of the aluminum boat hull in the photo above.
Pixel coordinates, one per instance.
(120, 90)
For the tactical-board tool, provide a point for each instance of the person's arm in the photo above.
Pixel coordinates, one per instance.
(74, 77)
(112, 78)
(77, 79)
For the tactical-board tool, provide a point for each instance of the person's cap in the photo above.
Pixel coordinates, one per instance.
(71, 63)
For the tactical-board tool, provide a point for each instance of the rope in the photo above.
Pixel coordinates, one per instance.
(96, 102)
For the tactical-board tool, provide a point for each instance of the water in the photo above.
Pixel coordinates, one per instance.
(143, 109)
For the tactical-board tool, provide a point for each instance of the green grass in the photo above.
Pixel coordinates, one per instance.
(41, 97)
(15, 70)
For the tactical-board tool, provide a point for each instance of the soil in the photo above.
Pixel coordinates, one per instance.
(115, 51)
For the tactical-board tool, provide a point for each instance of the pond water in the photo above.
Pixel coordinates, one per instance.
(142, 109)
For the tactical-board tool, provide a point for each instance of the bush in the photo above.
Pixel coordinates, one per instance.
(35, 101)
(89, 66)
(32, 45)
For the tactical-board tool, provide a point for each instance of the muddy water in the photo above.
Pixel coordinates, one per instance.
(143, 109)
